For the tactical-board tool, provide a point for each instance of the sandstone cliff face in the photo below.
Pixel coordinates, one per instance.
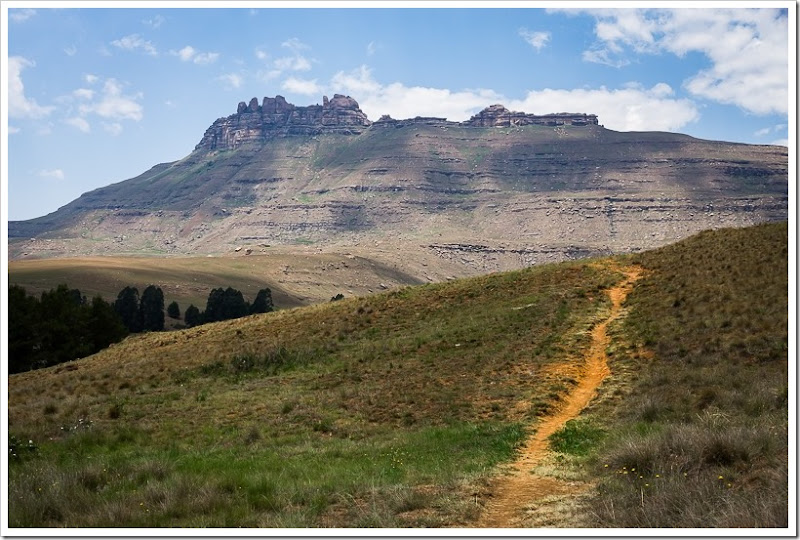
(499, 116)
(275, 117)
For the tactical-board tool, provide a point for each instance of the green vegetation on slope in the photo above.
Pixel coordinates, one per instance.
(390, 410)
(700, 436)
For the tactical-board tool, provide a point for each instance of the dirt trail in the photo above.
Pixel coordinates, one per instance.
(514, 493)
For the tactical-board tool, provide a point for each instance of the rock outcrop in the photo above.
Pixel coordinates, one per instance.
(275, 117)
(499, 116)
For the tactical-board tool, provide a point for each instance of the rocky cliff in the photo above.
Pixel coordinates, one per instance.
(276, 117)
(499, 116)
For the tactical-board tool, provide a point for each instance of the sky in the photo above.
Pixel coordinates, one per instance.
(97, 95)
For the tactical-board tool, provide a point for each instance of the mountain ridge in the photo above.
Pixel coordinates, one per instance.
(500, 191)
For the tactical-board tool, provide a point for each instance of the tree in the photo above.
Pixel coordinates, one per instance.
(127, 306)
(63, 327)
(192, 316)
(152, 309)
(263, 302)
(105, 326)
(23, 338)
(224, 304)
(173, 310)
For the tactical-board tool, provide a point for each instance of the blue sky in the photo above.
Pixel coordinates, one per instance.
(99, 95)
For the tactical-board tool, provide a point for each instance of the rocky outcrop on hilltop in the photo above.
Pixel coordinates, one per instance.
(499, 116)
(276, 117)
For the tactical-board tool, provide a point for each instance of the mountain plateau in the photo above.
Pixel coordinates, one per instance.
(501, 190)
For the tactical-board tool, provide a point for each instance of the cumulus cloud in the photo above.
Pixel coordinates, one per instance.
(83, 93)
(295, 61)
(190, 54)
(21, 15)
(747, 49)
(537, 40)
(72, 50)
(80, 123)
(114, 128)
(401, 101)
(113, 104)
(231, 81)
(134, 42)
(154, 22)
(20, 106)
(302, 86)
(91, 79)
(631, 108)
(56, 174)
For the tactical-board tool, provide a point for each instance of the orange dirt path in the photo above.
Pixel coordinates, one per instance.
(513, 493)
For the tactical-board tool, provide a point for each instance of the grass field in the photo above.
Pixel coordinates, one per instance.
(295, 279)
(390, 410)
(394, 410)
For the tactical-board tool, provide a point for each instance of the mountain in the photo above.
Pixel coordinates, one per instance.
(501, 190)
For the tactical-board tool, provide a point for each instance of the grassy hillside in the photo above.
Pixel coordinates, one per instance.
(394, 410)
(699, 438)
(389, 410)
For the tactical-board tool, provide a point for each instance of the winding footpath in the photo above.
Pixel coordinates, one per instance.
(515, 493)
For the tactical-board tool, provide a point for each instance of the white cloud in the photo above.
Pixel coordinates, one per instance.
(72, 50)
(113, 104)
(295, 62)
(13, 129)
(186, 53)
(747, 49)
(302, 86)
(83, 93)
(400, 101)
(21, 15)
(295, 44)
(135, 42)
(231, 80)
(762, 132)
(91, 79)
(57, 174)
(114, 128)
(632, 108)
(155, 22)
(79, 123)
(372, 48)
(537, 40)
(190, 54)
(292, 63)
(20, 106)
(781, 142)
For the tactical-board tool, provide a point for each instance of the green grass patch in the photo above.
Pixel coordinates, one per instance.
(577, 437)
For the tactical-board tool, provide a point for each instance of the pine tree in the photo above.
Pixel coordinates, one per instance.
(173, 310)
(152, 309)
(127, 306)
(263, 302)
